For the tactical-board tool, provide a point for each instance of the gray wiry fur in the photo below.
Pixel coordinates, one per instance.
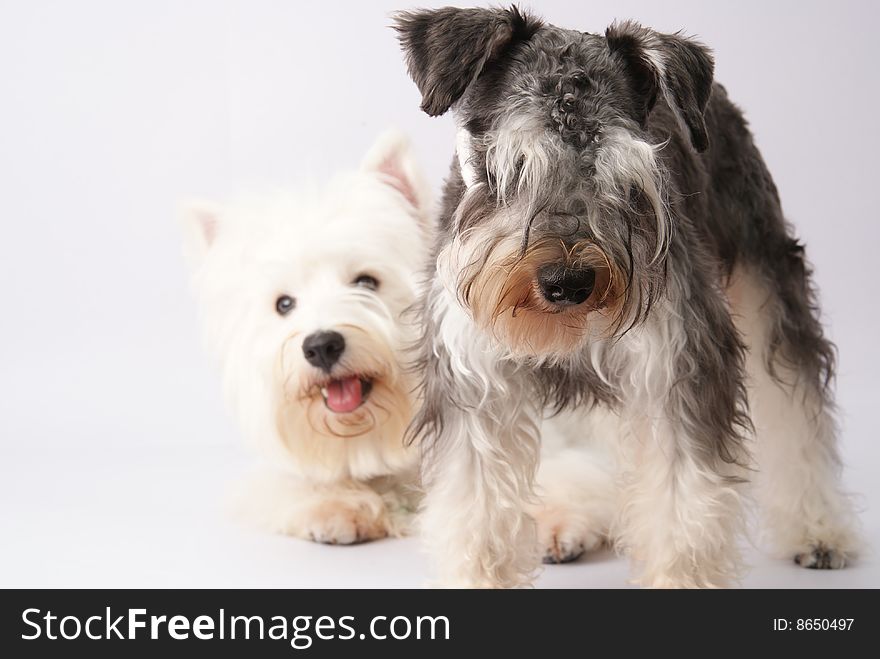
(550, 114)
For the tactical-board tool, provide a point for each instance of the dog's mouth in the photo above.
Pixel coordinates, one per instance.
(345, 395)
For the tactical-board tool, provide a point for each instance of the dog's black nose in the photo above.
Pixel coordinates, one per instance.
(323, 349)
(566, 286)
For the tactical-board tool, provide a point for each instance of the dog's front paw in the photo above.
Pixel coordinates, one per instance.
(336, 523)
(821, 557)
(563, 536)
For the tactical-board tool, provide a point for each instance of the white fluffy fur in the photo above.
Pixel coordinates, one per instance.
(577, 483)
(312, 245)
(679, 521)
(474, 520)
(802, 505)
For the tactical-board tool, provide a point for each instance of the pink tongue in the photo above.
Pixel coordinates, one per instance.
(344, 395)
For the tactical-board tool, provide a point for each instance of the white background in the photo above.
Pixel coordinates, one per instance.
(115, 444)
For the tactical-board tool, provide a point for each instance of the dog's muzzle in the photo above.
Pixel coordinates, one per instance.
(565, 286)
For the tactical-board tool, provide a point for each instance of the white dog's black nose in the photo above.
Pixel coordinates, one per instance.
(566, 286)
(323, 349)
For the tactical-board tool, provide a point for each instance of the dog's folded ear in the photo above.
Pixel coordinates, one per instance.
(446, 49)
(678, 68)
(201, 222)
(391, 157)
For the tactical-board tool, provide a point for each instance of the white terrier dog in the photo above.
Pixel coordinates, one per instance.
(301, 297)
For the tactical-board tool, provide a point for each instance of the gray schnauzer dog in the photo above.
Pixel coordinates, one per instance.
(611, 242)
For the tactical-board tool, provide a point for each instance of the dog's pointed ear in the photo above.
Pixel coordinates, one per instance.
(678, 68)
(201, 223)
(391, 158)
(446, 49)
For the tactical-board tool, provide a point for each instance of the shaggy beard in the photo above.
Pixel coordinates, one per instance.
(499, 288)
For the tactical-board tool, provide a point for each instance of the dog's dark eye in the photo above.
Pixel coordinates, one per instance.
(284, 305)
(366, 281)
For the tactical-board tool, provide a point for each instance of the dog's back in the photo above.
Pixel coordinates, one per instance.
(727, 197)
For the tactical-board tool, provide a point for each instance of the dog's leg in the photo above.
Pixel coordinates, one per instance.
(329, 512)
(576, 484)
(805, 513)
(682, 513)
(480, 451)
(478, 480)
